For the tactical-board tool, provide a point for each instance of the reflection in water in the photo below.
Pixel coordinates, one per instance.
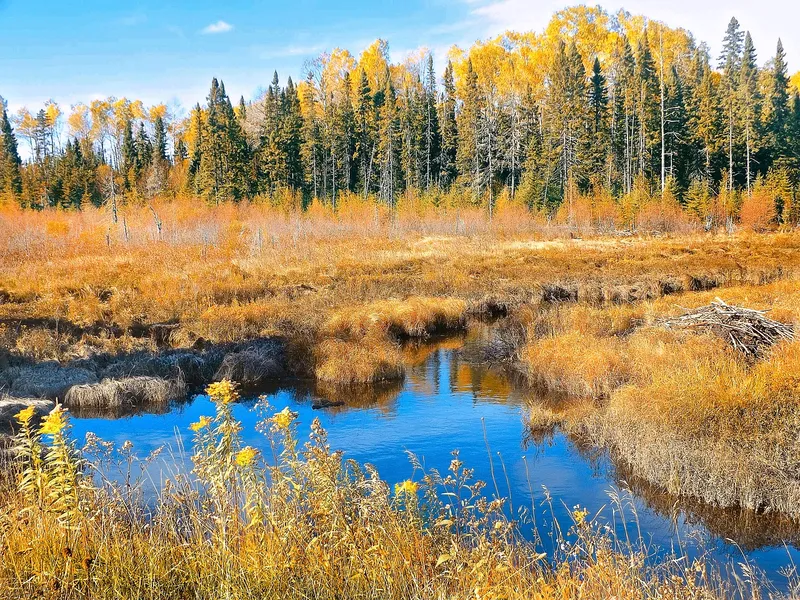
(450, 399)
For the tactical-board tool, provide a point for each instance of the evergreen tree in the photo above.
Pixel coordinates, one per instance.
(159, 140)
(777, 126)
(364, 135)
(223, 152)
(730, 62)
(601, 135)
(648, 112)
(432, 134)
(129, 156)
(449, 129)
(623, 122)
(749, 105)
(10, 162)
(388, 146)
(732, 46)
(468, 159)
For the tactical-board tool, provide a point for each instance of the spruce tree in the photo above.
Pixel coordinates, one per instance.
(648, 111)
(364, 138)
(778, 123)
(749, 105)
(388, 150)
(601, 135)
(432, 135)
(223, 151)
(730, 62)
(468, 159)
(10, 162)
(129, 156)
(447, 119)
(159, 140)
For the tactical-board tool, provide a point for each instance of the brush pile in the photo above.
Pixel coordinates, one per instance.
(748, 330)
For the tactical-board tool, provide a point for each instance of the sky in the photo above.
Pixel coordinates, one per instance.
(167, 51)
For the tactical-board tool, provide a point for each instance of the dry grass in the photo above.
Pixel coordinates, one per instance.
(124, 393)
(368, 360)
(233, 273)
(410, 318)
(685, 412)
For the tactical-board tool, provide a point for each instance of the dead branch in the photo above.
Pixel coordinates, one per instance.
(747, 330)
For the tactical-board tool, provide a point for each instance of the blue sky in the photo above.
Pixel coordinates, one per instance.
(168, 51)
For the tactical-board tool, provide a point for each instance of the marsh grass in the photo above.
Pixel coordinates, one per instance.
(299, 522)
(243, 272)
(683, 411)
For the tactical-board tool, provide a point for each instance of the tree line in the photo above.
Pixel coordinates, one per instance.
(608, 105)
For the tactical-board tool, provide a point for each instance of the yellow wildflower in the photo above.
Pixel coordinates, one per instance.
(408, 488)
(25, 415)
(246, 456)
(223, 392)
(284, 418)
(55, 421)
(579, 515)
(201, 424)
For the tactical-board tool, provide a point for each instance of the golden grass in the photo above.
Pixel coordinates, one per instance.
(307, 525)
(238, 272)
(413, 317)
(682, 411)
(368, 360)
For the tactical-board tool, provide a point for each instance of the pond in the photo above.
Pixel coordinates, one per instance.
(450, 399)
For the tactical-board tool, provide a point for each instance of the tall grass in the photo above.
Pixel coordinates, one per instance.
(300, 522)
(682, 411)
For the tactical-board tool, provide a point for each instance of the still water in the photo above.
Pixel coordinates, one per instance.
(451, 400)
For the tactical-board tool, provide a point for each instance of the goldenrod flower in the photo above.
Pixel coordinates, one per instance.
(201, 424)
(223, 392)
(579, 515)
(25, 415)
(55, 421)
(246, 456)
(283, 419)
(408, 488)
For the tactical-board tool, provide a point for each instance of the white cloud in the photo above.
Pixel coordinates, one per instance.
(706, 20)
(218, 27)
(289, 51)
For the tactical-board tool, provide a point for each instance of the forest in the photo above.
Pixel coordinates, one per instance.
(610, 111)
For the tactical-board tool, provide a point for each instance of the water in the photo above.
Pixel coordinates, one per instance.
(451, 400)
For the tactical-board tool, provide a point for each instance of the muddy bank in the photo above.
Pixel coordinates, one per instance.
(124, 382)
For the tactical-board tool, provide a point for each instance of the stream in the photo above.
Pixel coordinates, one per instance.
(450, 399)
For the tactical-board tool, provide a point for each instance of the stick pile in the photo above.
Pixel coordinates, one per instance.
(748, 330)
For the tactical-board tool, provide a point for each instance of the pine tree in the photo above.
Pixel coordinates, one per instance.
(749, 105)
(160, 140)
(777, 125)
(730, 62)
(129, 156)
(447, 119)
(388, 146)
(432, 134)
(468, 159)
(648, 112)
(732, 46)
(364, 138)
(10, 162)
(223, 151)
(601, 135)
(704, 119)
(291, 135)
